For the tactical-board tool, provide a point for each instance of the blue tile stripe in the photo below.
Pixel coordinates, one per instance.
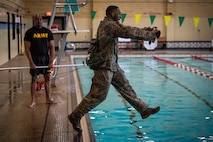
(3, 25)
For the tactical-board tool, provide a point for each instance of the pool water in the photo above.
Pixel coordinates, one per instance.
(185, 98)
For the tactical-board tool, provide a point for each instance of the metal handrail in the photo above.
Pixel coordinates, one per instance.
(61, 50)
(79, 4)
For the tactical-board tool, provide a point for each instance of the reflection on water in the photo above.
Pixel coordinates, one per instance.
(11, 83)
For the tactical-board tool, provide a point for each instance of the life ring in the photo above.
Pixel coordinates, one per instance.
(150, 46)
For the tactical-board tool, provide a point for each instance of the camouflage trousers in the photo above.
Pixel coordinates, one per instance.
(99, 90)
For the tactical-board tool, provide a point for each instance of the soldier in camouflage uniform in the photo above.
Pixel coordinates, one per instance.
(110, 72)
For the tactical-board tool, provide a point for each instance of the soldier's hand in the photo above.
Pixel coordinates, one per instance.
(50, 65)
(32, 66)
(156, 31)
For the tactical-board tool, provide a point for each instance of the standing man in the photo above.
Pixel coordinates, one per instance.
(38, 41)
(110, 72)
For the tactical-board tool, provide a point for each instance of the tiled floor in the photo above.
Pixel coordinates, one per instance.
(49, 122)
(44, 122)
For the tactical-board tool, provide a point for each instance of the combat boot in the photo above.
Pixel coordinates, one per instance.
(75, 123)
(85, 106)
(149, 111)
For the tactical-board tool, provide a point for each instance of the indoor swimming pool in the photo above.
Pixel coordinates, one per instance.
(185, 97)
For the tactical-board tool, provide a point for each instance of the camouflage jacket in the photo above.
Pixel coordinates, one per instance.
(107, 37)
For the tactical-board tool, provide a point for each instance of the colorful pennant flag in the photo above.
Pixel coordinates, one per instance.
(137, 18)
(123, 16)
(210, 20)
(181, 19)
(93, 13)
(167, 20)
(152, 19)
(196, 21)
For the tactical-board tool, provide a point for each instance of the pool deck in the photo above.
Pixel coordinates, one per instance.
(49, 122)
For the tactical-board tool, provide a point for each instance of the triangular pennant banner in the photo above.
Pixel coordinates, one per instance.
(152, 18)
(123, 16)
(210, 20)
(181, 19)
(137, 18)
(196, 21)
(167, 20)
(93, 13)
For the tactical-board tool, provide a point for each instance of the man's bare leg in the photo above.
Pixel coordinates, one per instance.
(49, 99)
(33, 91)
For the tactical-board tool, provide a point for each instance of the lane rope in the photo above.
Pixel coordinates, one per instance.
(183, 86)
(200, 58)
(193, 70)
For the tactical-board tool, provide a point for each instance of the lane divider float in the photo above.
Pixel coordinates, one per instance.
(196, 71)
(200, 58)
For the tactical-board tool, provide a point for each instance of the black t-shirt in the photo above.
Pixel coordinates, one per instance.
(39, 38)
